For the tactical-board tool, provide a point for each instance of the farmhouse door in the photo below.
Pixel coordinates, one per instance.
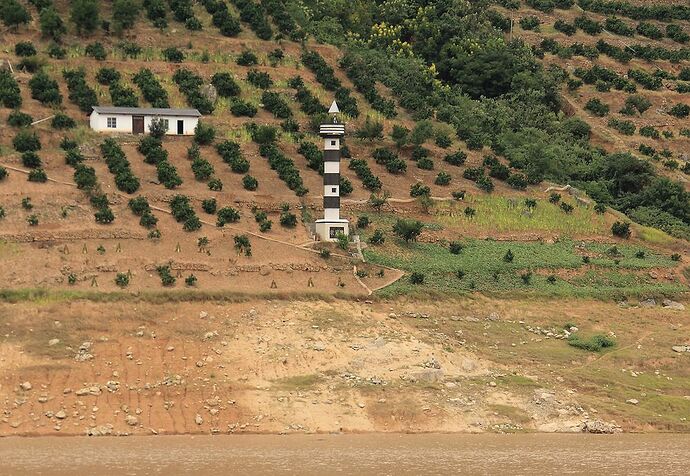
(138, 124)
(180, 127)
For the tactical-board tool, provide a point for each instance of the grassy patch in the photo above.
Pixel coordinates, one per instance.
(555, 269)
(514, 414)
(509, 214)
(595, 343)
(298, 381)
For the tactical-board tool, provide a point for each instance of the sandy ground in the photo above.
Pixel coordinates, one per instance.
(134, 367)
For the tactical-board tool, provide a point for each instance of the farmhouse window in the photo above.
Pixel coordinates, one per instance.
(111, 122)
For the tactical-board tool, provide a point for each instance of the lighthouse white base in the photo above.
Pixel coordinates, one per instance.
(327, 230)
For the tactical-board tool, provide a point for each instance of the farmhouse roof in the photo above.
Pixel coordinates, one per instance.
(146, 111)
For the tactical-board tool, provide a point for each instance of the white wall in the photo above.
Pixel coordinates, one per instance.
(99, 122)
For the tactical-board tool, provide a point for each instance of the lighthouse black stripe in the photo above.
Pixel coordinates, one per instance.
(331, 202)
(331, 155)
(331, 179)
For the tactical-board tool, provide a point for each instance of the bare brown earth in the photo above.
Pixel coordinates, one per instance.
(137, 367)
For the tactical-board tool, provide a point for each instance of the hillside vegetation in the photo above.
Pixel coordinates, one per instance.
(460, 114)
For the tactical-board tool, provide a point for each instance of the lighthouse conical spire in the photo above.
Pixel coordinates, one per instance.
(334, 108)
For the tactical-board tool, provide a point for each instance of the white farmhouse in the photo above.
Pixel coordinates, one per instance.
(136, 120)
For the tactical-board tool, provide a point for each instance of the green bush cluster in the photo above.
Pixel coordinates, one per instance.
(79, 92)
(253, 13)
(309, 104)
(390, 160)
(45, 89)
(356, 69)
(151, 88)
(183, 212)
(364, 173)
(231, 154)
(325, 75)
(189, 84)
(313, 154)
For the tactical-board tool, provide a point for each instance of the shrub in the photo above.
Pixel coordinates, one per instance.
(37, 175)
(51, 24)
(62, 121)
(24, 48)
(32, 220)
(167, 174)
(204, 134)
(600, 208)
(363, 222)
(676, 33)
(104, 216)
(517, 181)
(565, 27)
(215, 184)
(377, 238)
(624, 127)
(530, 23)
(649, 131)
(250, 183)
(79, 91)
(26, 141)
(458, 194)
(567, 208)
(190, 280)
(242, 245)
(96, 51)
(122, 280)
(275, 104)
(259, 79)
(10, 95)
(202, 169)
(151, 88)
(554, 197)
(240, 108)
(621, 229)
(3, 173)
(596, 107)
(56, 51)
(455, 247)
(173, 55)
(247, 58)
(227, 215)
(588, 25)
(420, 190)
(443, 140)
(45, 89)
(85, 177)
(371, 130)
(408, 230)
(649, 30)
(417, 278)
(31, 160)
(167, 279)
(225, 85)
(458, 158)
(17, 118)
(288, 219)
(680, 110)
(594, 344)
(425, 163)
(443, 178)
(470, 212)
(484, 183)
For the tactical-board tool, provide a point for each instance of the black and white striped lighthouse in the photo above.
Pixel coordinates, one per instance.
(327, 229)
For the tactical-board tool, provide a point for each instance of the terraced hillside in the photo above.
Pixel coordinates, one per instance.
(515, 174)
(463, 130)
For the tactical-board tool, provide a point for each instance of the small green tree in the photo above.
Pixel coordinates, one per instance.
(343, 240)
(84, 15)
(52, 25)
(122, 280)
(14, 14)
(377, 202)
(408, 230)
(621, 229)
(400, 135)
(422, 132)
(125, 14)
(508, 257)
(158, 128)
(242, 245)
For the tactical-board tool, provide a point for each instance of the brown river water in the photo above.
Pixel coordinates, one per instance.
(375, 454)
